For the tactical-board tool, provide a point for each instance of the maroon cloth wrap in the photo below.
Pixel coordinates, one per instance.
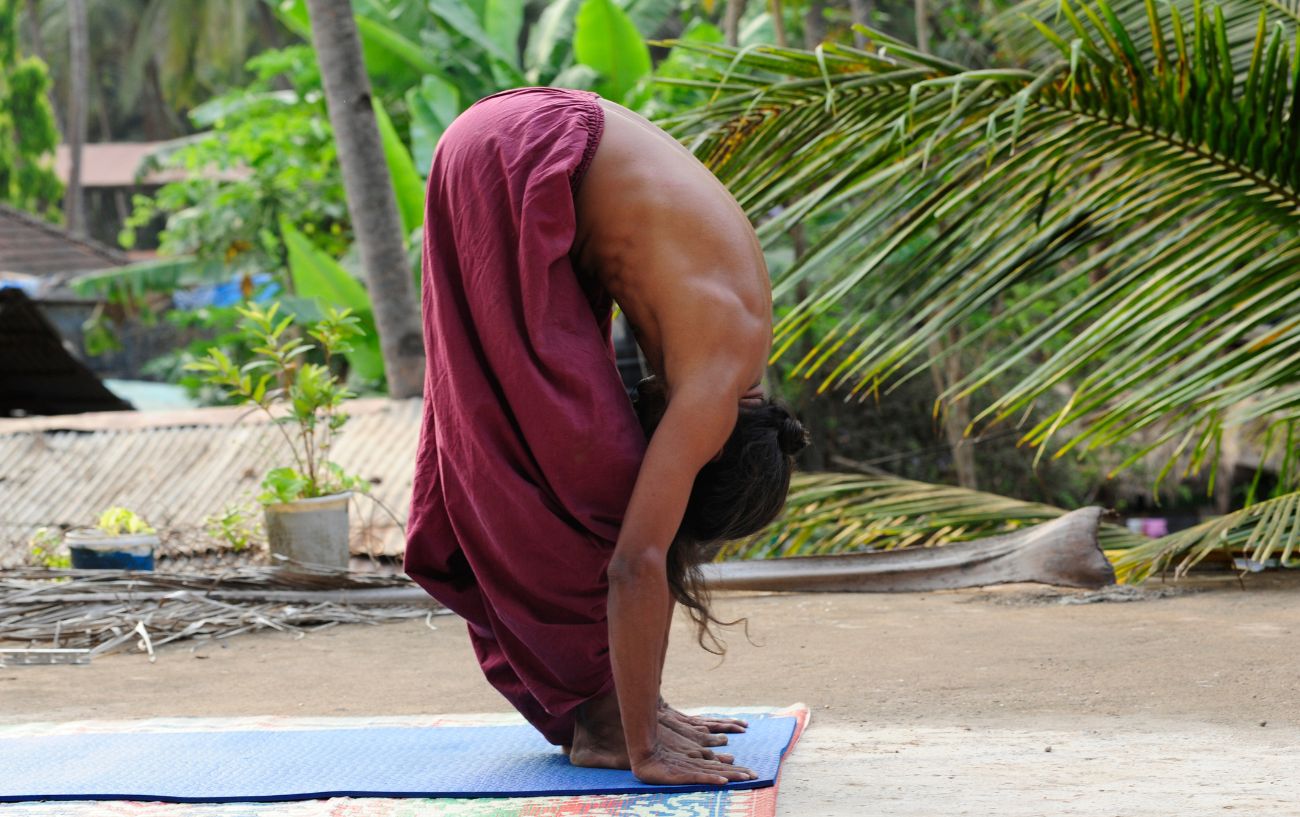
(529, 447)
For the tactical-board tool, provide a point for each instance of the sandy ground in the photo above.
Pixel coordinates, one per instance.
(963, 703)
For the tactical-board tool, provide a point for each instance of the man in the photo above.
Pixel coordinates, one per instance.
(539, 512)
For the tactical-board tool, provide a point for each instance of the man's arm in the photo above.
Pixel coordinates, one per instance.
(698, 420)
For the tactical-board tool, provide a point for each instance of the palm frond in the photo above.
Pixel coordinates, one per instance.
(1261, 532)
(1019, 28)
(129, 282)
(840, 513)
(1148, 205)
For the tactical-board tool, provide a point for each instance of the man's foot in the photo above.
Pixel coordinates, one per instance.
(598, 741)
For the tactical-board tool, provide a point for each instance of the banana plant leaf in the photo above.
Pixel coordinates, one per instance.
(155, 275)
(317, 276)
(408, 187)
(387, 52)
(607, 41)
(460, 18)
(433, 104)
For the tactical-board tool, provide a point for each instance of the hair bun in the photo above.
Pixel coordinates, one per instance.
(791, 436)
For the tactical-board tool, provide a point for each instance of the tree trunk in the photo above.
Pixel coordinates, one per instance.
(369, 193)
(731, 22)
(106, 135)
(860, 14)
(74, 202)
(814, 24)
(922, 26)
(778, 21)
(1063, 552)
(956, 415)
(810, 407)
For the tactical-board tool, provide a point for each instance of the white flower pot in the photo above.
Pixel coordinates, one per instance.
(311, 531)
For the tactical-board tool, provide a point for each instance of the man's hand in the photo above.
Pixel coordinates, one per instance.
(667, 764)
(705, 730)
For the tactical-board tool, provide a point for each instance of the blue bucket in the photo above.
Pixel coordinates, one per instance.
(93, 550)
(92, 559)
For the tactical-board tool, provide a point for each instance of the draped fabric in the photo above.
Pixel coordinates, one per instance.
(529, 447)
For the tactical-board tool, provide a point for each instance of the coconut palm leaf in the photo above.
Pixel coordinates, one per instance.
(1136, 209)
(1265, 531)
(839, 513)
(163, 275)
(1018, 28)
(1154, 206)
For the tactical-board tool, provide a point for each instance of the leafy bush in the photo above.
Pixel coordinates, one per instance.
(122, 522)
(302, 399)
(269, 153)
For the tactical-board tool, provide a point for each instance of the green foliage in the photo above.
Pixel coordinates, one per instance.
(28, 134)
(408, 188)
(118, 521)
(45, 548)
(325, 282)
(235, 525)
(1020, 28)
(1129, 210)
(606, 41)
(303, 399)
(433, 105)
(269, 153)
(287, 484)
(1260, 532)
(549, 50)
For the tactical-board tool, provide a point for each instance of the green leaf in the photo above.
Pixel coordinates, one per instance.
(648, 16)
(458, 18)
(434, 104)
(550, 41)
(387, 51)
(154, 275)
(607, 41)
(502, 21)
(284, 484)
(383, 44)
(408, 187)
(316, 275)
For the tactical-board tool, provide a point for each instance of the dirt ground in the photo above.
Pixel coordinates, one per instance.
(1001, 702)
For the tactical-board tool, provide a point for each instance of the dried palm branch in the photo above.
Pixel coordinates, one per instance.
(107, 611)
(842, 513)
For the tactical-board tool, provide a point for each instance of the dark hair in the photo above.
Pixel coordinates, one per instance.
(734, 496)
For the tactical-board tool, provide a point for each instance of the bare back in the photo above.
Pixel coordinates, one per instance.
(677, 253)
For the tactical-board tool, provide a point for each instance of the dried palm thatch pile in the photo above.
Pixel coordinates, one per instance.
(108, 611)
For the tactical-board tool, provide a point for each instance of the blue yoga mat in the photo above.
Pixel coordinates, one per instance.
(270, 765)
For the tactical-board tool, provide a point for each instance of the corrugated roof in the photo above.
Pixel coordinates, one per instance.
(35, 247)
(183, 467)
(119, 164)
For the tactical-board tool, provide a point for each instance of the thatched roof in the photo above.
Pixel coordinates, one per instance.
(30, 246)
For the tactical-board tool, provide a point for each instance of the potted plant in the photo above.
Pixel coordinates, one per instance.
(306, 502)
(120, 540)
